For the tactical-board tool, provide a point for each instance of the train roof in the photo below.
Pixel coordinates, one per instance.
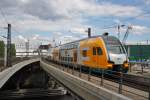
(102, 36)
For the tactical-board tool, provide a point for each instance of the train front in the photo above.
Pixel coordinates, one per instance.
(117, 55)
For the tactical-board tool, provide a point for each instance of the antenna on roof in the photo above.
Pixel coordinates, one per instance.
(106, 34)
(89, 32)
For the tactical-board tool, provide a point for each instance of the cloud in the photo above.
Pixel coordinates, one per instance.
(66, 9)
(58, 33)
(35, 37)
(22, 38)
(60, 16)
(57, 13)
(79, 30)
(147, 2)
(36, 24)
(58, 9)
(139, 30)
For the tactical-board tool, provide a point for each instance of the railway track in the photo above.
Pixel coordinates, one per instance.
(138, 82)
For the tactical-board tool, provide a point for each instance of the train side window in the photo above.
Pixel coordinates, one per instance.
(65, 58)
(94, 51)
(84, 53)
(99, 51)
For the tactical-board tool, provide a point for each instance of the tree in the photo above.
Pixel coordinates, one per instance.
(13, 50)
(2, 49)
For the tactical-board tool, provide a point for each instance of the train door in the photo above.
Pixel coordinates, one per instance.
(94, 58)
(97, 59)
(100, 58)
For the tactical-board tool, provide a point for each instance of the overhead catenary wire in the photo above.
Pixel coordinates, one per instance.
(3, 15)
(114, 25)
(134, 17)
(6, 20)
(105, 27)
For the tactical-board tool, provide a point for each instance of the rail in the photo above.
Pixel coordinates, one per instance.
(134, 87)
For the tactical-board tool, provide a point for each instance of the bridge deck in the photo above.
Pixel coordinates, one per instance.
(7, 73)
(82, 88)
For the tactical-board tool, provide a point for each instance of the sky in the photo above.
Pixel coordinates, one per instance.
(68, 20)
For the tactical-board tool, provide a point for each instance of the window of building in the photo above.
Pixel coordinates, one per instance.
(94, 51)
(99, 51)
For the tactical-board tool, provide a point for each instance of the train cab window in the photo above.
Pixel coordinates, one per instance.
(99, 51)
(94, 51)
(84, 53)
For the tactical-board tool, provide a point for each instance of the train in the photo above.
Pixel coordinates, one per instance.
(102, 52)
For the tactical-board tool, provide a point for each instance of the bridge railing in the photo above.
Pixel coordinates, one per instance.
(117, 81)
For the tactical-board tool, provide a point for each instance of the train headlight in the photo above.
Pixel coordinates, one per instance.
(126, 64)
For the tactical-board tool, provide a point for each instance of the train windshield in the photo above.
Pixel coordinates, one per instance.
(115, 49)
(113, 45)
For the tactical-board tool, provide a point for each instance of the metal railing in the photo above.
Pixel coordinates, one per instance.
(116, 81)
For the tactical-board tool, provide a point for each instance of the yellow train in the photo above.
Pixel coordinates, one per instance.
(97, 52)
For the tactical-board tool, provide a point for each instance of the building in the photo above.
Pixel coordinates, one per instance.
(43, 49)
(138, 52)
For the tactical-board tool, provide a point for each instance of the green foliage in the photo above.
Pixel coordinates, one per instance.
(13, 50)
(2, 48)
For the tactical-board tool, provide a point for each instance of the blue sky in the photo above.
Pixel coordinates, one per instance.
(69, 19)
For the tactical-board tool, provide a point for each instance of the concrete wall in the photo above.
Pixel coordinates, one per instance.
(7, 73)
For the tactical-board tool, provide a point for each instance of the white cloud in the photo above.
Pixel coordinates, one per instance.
(57, 16)
(139, 30)
(25, 1)
(78, 30)
(73, 8)
(67, 9)
(22, 38)
(147, 2)
(35, 37)
(57, 33)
